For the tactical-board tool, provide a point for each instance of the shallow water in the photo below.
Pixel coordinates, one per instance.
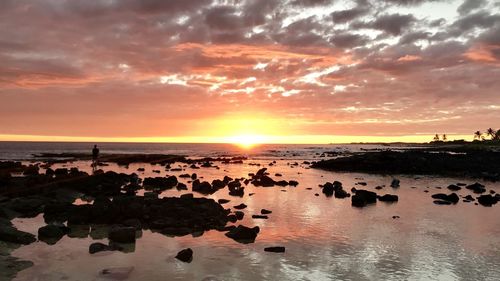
(325, 238)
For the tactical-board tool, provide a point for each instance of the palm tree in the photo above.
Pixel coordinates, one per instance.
(477, 135)
(436, 137)
(497, 135)
(491, 132)
(444, 137)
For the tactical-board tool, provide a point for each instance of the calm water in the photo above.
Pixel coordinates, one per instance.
(325, 238)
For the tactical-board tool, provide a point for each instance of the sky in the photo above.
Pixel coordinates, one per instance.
(287, 71)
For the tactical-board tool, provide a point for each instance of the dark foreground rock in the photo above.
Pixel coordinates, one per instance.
(453, 197)
(388, 198)
(52, 233)
(100, 247)
(487, 200)
(277, 249)
(243, 234)
(363, 197)
(10, 234)
(125, 234)
(185, 255)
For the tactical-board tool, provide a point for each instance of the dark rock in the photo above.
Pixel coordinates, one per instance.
(11, 234)
(487, 200)
(223, 201)
(469, 198)
(240, 206)
(259, 217)
(185, 255)
(181, 186)
(232, 218)
(442, 202)
(160, 182)
(341, 194)
(395, 183)
(122, 234)
(265, 212)
(100, 247)
(388, 198)
(239, 215)
(293, 183)
(476, 188)
(454, 187)
(378, 187)
(243, 234)
(453, 197)
(277, 249)
(51, 233)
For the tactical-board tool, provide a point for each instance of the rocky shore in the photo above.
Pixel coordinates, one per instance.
(452, 162)
(118, 212)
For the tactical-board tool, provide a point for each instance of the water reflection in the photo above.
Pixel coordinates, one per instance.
(325, 238)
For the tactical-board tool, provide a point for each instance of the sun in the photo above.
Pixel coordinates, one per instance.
(247, 141)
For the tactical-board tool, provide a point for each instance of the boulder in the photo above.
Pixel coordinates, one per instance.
(243, 234)
(239, 215)
(453, 197)
(395, 183)
(388, 198)
(476, 188)
(442, 202)
(100, 247)
(276, 249)
(240, 206)
(185, 255)
(487, 200)
(265, 212)
(259, 217)
(454, 187)
(52, 233)
(11, 234)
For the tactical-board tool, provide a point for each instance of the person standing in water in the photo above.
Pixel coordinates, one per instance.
(95, 157)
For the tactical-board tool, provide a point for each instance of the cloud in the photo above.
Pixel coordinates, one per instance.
(165, 67)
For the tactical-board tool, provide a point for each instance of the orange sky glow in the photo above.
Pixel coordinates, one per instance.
(274, 71)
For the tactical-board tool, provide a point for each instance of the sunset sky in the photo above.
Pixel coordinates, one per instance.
(311, 71)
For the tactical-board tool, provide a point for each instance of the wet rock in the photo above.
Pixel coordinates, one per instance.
(265, 212)
(122, 234)
(395, 217)
(378, 187)
(341, 194)
(181, 186)
(395, 183)
(203, 187)
(259, 217)
(476, 188)
(487, 200)
(11, 234)
(453, 197)
(100, 247)
(185, 176)
(362, 183)
(278, 175)
(240, 206)
(232, 218)
(239, 215)
(218, 184)
(442, 202)
(51, 233)
(388, 198)
(293, 183)
(185, 255)
(454, 187)
(469, 198)
(276, 249)
(243, 234)
(363, 197)
(161, 183)
(223, 201)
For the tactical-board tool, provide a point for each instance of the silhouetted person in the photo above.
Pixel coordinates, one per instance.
(95, 157)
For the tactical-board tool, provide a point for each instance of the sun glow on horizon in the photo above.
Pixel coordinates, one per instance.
(247, 141)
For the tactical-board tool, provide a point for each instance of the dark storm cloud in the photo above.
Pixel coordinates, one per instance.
(393, 24)
(470, 5)
(347, 40)
(348, 15)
